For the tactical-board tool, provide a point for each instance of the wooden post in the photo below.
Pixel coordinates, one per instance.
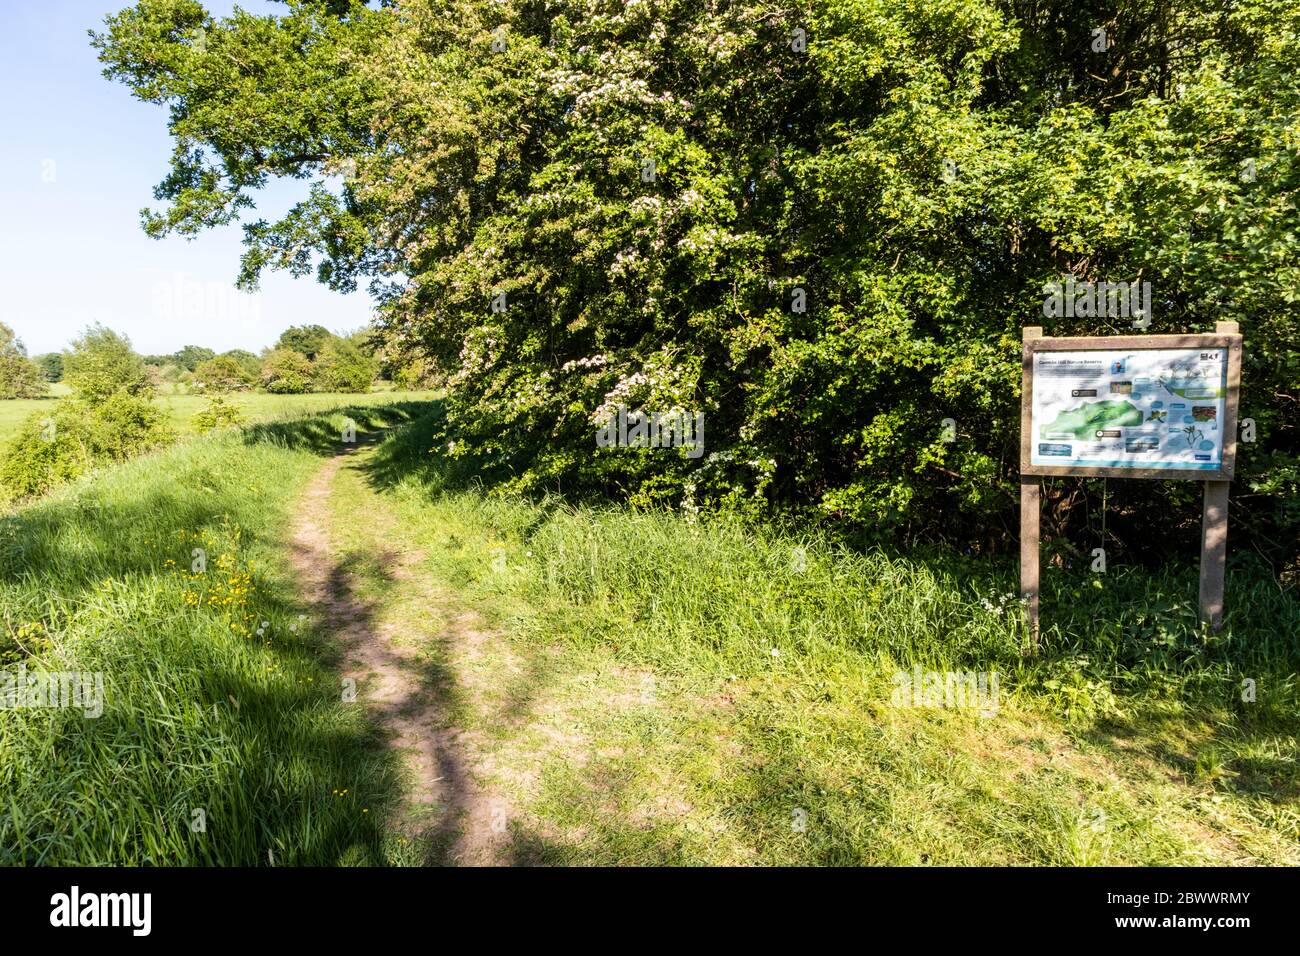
(1214, 552)
(1031, 493)
(1214, 516)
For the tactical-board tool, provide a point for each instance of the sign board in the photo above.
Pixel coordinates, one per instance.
(1157, 406)
(1131, 406)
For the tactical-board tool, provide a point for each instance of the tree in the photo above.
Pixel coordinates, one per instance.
(286, 372)
(344, 367)
(413, 375)
(190, 356)
(222, 374)
(246, 360)
(309, 340)
(829, 247)
(51, 364)
(19, 376)
(101, 363)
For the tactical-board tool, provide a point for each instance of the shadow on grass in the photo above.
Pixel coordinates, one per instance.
(184, 731)
(321, 432)
(1243, 757)
(196, 718)
(1137, 635)
(394, 688)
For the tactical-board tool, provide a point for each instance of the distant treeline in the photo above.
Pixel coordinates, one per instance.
(306, 358)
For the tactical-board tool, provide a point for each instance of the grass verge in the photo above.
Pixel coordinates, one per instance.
(708, 692)
(222, 738)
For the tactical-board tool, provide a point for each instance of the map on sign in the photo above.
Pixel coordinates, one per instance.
(1139, 408)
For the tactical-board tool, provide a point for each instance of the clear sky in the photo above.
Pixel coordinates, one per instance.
(79, 157)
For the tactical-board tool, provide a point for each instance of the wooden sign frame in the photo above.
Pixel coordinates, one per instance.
(1214, 519)
(1223, 339)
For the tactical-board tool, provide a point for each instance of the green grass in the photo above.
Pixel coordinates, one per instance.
(637, 687)
(769, 659)
(203, 712)
(180, 409)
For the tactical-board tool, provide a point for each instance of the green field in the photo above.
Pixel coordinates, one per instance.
(256, 406)
(602, 685)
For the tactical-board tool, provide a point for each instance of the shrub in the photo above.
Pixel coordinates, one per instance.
(306, 340)
(58, 446)
(49, 449)
(127, 425)
(250, 363)
(416, 374)
(217, 414)
(343, 367)
(51, 366)
(222, 374)
(286, 372)
(192, 356)
(101, 363)
(19, 376)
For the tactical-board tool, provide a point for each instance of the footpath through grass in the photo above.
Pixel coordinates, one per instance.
(222, 738)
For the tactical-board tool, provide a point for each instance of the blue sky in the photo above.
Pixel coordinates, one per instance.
(80, 158)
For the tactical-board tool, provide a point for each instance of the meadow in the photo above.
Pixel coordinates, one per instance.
(624, 686)
(181, 407)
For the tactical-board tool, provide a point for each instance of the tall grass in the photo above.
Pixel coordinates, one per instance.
(774, 652)
(208, 720)
(720, 594)
(223, 739)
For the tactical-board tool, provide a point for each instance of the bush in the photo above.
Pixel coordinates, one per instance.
(75, 436)
(217, 414)
(222, 374)
(343, 367)
(286, 372)
(19, 376)
(51, 366)
(306, 340)
(101, 363)
(128, 425)
(250, 363)
(414, 375)
(192, 356)
(48, 450)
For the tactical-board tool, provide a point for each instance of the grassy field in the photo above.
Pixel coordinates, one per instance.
(619, 687)
(256, 406)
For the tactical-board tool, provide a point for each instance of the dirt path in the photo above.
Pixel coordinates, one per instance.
(395, 670)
